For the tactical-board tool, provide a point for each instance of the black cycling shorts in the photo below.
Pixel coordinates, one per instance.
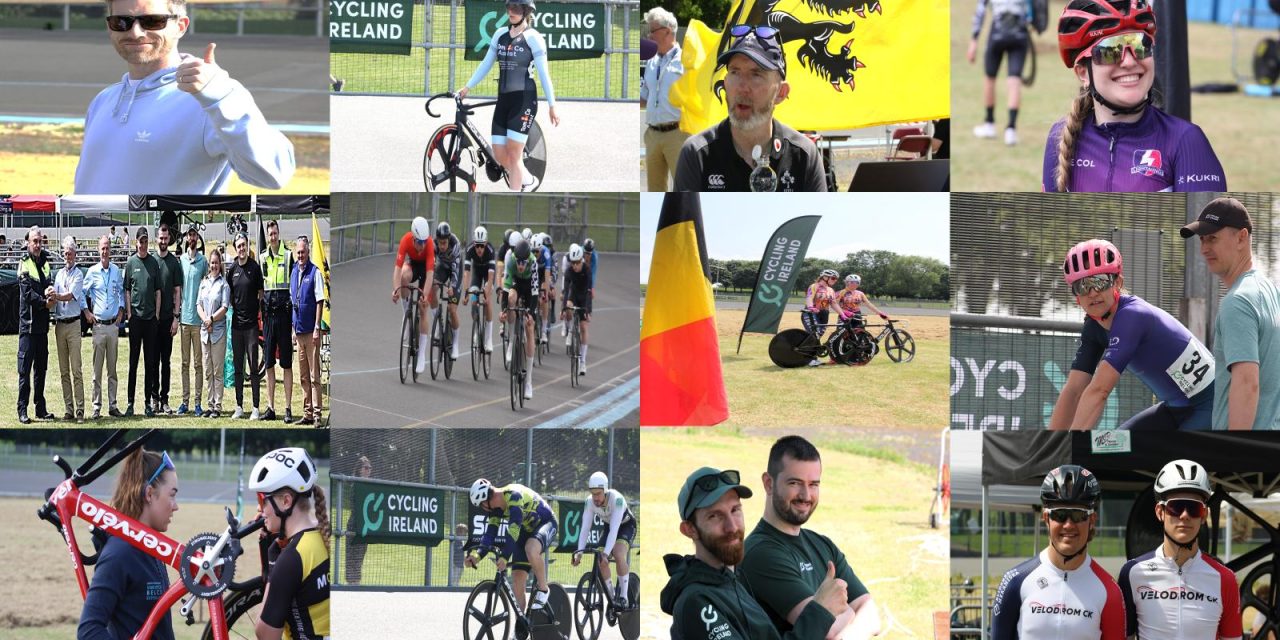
(545, 534)
(446, 279)
(419, 273)
(582, 300)
(515, 111)
(997, 48)
(479, 277)
(277, 333)
(627, 531)
(813, 322)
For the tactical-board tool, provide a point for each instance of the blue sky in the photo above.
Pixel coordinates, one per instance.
(738, 225)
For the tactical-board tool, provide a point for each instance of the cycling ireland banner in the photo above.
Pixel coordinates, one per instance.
(398, 513)
(573, 31)
(776, 278)
(370, 26)
(569, 513)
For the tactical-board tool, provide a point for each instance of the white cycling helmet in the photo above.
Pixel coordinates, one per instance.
(421, 229)
(536, 240)
(527, 233)
(854, 278)
(1183, 475)
(575, 253)
(481, 235)
(480, 491)
(829, 273)
(514, 238)
(290, 468)
(598, 479)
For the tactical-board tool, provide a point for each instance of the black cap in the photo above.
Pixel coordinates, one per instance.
(749, 45)
(142, 232)
(1222, 212)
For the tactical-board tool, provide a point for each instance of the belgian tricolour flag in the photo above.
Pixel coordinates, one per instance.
(680, 379)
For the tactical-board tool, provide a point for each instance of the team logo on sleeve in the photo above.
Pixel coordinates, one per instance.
(1148, 162)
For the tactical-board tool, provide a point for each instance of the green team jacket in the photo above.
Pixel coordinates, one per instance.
(713, 604)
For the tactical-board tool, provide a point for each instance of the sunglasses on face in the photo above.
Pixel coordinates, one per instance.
(1062, 514)
(709, 483)
(150, 22)
(1090, 284)
(1192, 508)
(165, 463)
(1110, 50)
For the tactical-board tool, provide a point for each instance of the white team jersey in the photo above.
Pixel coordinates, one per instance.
(1198, 601)
(614, 513)
(1038, 601)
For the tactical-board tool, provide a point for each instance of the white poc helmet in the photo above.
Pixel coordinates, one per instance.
(527, 233)
(598, 479)
(854, 278)
(290, 468)
(514, 238)
(421, 229)
(480, 491)
(481, 235)
(1183, 475)
(575, 253)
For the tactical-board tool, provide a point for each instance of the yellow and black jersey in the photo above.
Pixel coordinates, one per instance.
(298, 587)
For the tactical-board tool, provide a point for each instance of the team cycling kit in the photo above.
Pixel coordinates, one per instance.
(528, 516)
(1159, 152)
(615, 512)
(522, 276)
(1197, 601)
(1177, 368)
(448, 269)
(577, 288)
(298, 595)
(479, 265)
(420, 257)
(818, 300)
(517, 58)
(1038, 601)
(1009, 34)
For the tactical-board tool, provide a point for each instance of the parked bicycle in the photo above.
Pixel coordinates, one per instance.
(850, 343)
(592, 607)
(491, 607)
(457, 151)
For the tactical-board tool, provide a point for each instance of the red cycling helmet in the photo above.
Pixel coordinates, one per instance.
(1092, 257)
(1084, 22)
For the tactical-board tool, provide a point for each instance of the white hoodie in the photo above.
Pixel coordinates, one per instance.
(148, 136)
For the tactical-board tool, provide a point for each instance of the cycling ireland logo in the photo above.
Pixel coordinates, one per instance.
(1147, 162)
(486, 32)
(370, 524)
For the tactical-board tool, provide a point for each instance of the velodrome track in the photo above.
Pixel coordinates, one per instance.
(366, 379)
(57, 73)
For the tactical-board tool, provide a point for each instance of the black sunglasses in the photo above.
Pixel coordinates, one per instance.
(149, 22)
(1062, 514)
(709, 483)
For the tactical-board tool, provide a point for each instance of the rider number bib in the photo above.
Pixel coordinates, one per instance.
(1193, 371)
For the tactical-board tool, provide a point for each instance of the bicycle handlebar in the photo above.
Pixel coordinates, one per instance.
(447, 94)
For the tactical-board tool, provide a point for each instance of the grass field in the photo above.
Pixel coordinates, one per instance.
(874, 510)
(43, 159)
(381, 73)
(1233, 122)
(882, 393)
(53, 391)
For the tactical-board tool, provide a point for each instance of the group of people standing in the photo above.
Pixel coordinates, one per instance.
(158, 297)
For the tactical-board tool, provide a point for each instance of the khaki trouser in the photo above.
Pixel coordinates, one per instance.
(189, 334)
(214, 356)
(106, 337)
(661, 151)
(309, 362)
(67, 337)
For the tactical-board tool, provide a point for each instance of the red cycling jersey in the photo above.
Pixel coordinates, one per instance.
(409, 247)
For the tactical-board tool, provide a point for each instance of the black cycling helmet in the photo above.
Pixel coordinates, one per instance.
(1070, 484)
(521, 250)
(588, 245)
(443, 231)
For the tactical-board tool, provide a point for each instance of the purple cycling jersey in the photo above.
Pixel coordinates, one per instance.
(1177, 368)
(1159, 152)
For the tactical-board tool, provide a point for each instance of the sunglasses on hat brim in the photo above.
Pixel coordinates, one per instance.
(709, 482)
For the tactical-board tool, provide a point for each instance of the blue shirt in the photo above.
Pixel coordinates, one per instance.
(660, 73)
(193, 271)
(1247, 329)
(105, 287)
(126, 585)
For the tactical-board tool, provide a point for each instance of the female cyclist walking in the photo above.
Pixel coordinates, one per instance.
(1125, 331)
(519, 49)
(1113, 139)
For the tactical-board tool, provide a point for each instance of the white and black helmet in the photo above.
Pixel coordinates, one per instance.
(829, 273)
(289, 468)
(575, 253)
(1183, 475)
(481, 235)
(598, 481)
(854, 278)
(421, 229)
(480, 491)
(527, 233)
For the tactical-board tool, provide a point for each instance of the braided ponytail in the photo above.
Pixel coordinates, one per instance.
(1081, 107)
(321, 510)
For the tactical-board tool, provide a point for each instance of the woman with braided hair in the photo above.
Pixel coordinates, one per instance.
(1114, 139)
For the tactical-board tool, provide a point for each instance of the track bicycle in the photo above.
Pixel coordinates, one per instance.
(481, 358)
(409, 328)
(575, 343)
(592, 607)
(441, 336)
(537, 333)
(492, 606)
(457, 151)
(205, 563)
(850, 343)
(898, 344)
(517, 369)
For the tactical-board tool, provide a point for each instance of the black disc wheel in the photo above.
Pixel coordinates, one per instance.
(785, 348)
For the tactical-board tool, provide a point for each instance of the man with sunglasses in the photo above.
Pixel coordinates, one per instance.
(1245, 338)
(662, 135)
(705, 597)
(1062, 593)
(1124, 331)
(142, 135)
(750, 150)
(1175, 591)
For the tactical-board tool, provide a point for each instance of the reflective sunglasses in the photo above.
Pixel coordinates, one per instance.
(709, 483)
(150, 22)
(1063, 514)
(165, 463)
(1090, 284)
(768, 36)
(1110, 50)
(1192, 508)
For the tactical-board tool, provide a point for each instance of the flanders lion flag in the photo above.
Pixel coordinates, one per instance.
(850, 63)
(318, 256)
(680, 378)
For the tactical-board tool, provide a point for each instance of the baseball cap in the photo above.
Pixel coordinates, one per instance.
(704, 487)
(750, 45)
(1222, 212)
(142, 233)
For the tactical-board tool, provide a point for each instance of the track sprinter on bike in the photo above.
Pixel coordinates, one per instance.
(518, 49)
(127, 582)
(819, 299)
(1124, 331)
(1176, 592)
(420, 255)
(546, 280)
(293, 507)
(520, 282)
(850, 299)
(531, 529)
(448, 272)
(577, 295)
(611, 507)
(478, 268)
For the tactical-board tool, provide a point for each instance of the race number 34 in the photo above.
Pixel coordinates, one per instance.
(1193, 371)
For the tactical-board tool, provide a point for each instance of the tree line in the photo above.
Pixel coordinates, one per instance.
(884, 274)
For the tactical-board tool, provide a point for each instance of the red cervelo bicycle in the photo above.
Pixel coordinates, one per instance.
(205, 563)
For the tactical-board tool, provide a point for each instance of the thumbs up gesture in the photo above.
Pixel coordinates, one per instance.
(833, 592)
(193, 75)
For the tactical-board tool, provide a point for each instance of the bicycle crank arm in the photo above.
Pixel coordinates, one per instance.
(188, 605)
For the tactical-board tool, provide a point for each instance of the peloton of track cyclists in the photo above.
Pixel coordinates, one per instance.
(419, 252)
(577, 294)
(448, 272)
(478, 269)
(520, 282)
(530, 533)
(819, 300)
(612, 507)
(1175, 591)
(1125, 331)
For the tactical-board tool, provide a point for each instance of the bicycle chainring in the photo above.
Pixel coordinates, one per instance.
(211, 583)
